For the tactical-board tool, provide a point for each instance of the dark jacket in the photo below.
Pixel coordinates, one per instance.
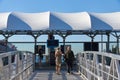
(40, 53)
(69, 56)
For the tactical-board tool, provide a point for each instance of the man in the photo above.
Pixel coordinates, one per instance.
(69, 59)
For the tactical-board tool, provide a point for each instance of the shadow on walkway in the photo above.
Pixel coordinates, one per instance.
(51, 75)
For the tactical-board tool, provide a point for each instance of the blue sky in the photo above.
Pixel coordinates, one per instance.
(60, 5)
(33, 6)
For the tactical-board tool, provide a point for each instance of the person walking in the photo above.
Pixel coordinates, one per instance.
(69, 59)
(40, 52)
(58, 55)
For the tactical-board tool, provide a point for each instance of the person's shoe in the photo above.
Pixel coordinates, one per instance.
(59, 73)
(71, 72)
(56, 72)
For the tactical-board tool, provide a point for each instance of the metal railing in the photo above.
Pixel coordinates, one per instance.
(99, 65)
(16, 65)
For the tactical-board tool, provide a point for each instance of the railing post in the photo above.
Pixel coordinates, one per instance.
(9, 63)
(118, 68)
(103, 65)
(22, 64)
(16, 63)
(87, 66)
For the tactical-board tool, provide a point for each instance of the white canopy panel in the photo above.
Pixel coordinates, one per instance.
(3, 20)
(28, 21)
(70, 21)
(106, 21)
(59, 21)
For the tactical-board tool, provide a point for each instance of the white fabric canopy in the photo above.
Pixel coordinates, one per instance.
(59, 21)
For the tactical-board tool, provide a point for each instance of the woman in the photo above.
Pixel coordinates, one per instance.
(58, 55)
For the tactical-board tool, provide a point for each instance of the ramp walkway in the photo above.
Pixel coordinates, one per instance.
(47, 72)
(51, 75)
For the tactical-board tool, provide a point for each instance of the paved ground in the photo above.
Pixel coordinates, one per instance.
(51, 75)
(47, 72)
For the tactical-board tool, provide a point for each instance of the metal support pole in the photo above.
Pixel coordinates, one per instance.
(64, 43)
(6, 42)
(35, 38)
(34, 56)
(92, 39)
(102, 43)
(117, 37)
(117, 45)
(35, 44)
(108, 41)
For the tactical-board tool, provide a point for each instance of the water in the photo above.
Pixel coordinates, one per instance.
(75, 46)
(44, 60)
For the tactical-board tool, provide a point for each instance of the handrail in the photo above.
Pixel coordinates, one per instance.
(16, 65)
(99, 65)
